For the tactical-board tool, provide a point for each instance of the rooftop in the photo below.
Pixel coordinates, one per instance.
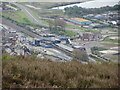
(96, 24)
(80, 19)
(109, 51)
(65, 47)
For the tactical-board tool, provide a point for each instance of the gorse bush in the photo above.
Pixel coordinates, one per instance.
(30, 72)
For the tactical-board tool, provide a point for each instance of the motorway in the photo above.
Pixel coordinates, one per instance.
(29, 14)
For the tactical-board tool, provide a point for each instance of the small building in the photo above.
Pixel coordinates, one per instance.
(85, 37)
(91, 36)
(96, 25)
(109, 52)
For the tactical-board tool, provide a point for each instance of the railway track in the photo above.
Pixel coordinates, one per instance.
(18, 28)
(69, 53)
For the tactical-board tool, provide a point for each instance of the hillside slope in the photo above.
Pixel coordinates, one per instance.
(30, 72)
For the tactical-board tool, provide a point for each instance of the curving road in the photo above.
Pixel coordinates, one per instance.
(29, 14)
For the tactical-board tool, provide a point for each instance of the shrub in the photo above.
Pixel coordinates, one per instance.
(32, 72)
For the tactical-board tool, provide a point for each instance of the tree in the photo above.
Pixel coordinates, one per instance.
(80, 55)
(57, 24)
(51, 24)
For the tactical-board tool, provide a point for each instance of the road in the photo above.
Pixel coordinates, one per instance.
(90, 44)
(29, 14)
(87, 44)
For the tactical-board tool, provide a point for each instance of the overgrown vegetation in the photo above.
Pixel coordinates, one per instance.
(30, 72)
(80, 55)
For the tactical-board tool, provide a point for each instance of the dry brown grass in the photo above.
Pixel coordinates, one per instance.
(30, 72)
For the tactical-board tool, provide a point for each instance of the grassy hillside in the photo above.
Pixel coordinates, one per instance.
(17, 16)
(30, 72)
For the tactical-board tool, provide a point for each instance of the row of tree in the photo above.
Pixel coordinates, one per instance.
(79, 11)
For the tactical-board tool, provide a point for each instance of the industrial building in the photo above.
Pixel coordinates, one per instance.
(83, 22)
(79, 21)
(45, 42)
(65, 39)
(96, 25)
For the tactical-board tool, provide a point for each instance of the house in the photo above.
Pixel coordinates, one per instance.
(85, 37)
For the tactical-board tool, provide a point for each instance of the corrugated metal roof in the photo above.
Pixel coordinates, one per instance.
(96, 24)
(80, 19)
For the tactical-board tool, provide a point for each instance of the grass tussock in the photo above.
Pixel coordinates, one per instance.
(30, 72)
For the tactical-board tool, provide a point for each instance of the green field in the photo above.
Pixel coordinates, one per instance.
(90, 30)
(46, 12)
(73, 27)
(110, 41)
(17, 16)
(40, 14)
(65, 33)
